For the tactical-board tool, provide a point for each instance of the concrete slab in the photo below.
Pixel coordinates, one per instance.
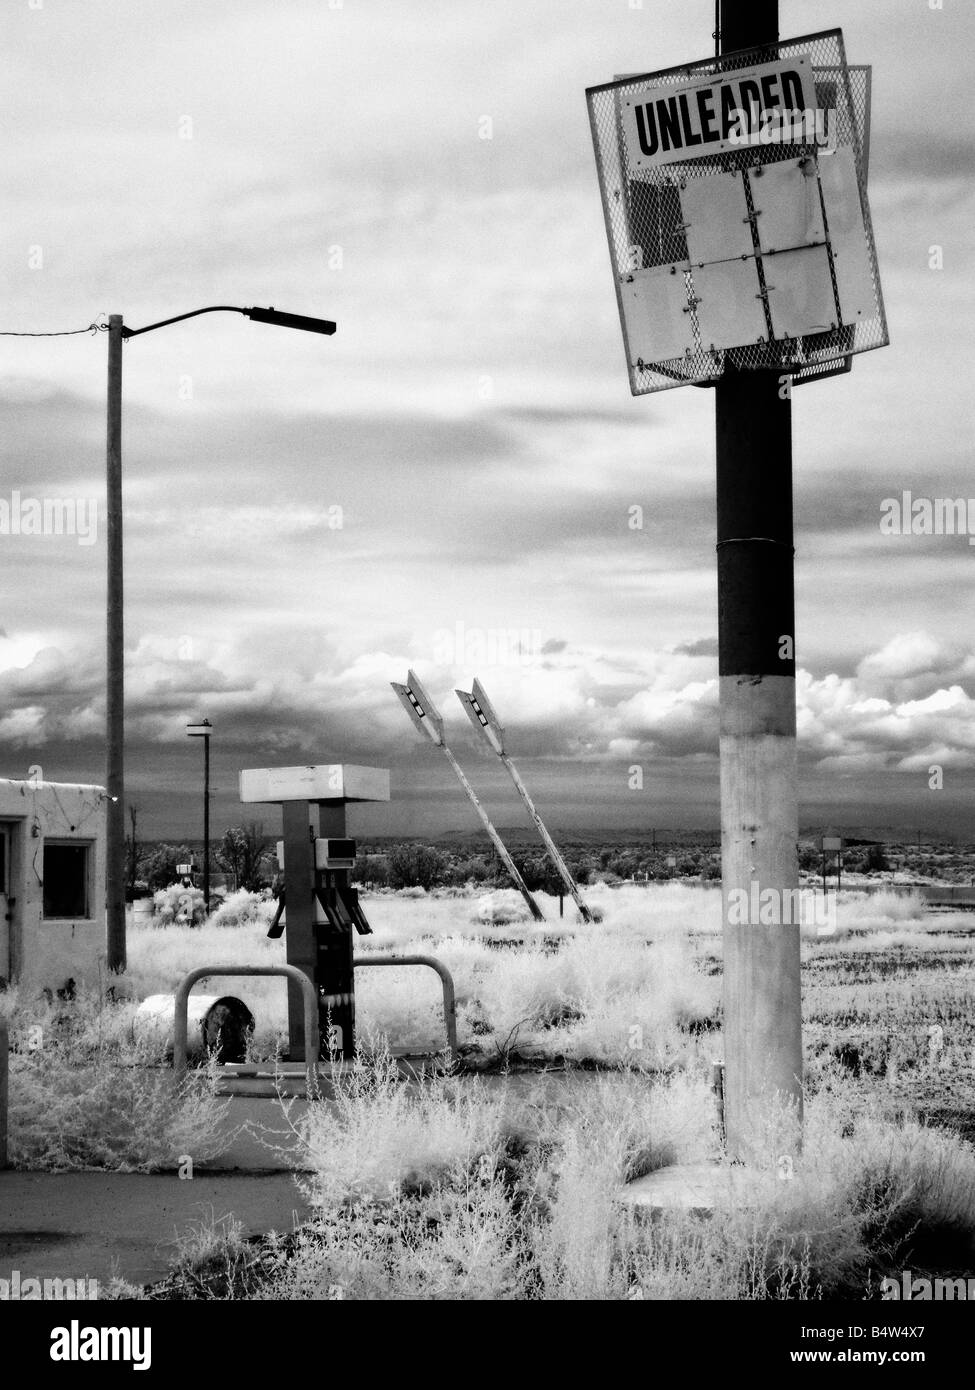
(96, 1225)
(264, 1141)
(690, 1187)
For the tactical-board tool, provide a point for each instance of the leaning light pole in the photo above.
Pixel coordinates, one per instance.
(481, 714)
(429, 721)
(115, 644)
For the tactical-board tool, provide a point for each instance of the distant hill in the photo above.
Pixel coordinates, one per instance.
(520, 837)
(527, 835)
(883, 834)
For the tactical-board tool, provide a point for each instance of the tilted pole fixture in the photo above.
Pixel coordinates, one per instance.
(429, 721)
(481, 714)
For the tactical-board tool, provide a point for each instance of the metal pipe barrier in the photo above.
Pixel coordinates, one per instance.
(446, 979)
(290, 972)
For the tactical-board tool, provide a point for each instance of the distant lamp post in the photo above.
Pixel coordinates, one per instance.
(115, 674)
(203, 730)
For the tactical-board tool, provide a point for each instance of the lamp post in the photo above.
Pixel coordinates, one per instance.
(115, 663)
(203, 730)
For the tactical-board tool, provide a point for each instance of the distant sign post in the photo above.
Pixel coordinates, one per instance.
(735, 198)
(832, 844)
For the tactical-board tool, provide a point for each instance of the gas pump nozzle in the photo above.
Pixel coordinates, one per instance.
(276, 928)
(341, 906)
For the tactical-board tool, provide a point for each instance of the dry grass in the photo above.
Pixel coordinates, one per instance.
(888, 1024)
(622, 992)
(636, 990)
(430, 1195)
(381, 1136)
(84, 1095)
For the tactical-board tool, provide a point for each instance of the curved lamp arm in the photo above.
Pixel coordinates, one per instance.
(258, 315)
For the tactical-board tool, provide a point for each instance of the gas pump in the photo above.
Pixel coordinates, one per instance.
(337, 911)
(317, 906)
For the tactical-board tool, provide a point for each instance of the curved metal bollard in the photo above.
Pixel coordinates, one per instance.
(446, 979)
(290, 972)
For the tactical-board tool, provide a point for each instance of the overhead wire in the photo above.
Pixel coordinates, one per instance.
(61, 333)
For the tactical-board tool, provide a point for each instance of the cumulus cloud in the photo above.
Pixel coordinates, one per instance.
(914, 665)
(576, 703)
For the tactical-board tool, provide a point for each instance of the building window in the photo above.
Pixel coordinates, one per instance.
(65, 880)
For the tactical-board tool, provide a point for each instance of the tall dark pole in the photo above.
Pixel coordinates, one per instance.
(115, 685)
(206, 823)
(115, 674)
(756, 633)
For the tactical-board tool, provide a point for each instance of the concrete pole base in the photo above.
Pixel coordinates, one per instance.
(696, 1188)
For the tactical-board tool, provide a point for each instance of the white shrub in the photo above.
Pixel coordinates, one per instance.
(184, 907)
(243, 907)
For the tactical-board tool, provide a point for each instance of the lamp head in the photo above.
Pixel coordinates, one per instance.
(308, 325)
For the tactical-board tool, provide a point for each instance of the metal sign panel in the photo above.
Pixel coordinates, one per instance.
(711, 114)
(715, 162)
(716, 219)
(481, 713)
(728, 303)
(800, 293)
(851, 262)
(421, 709)
(655, 312)
(787, 203)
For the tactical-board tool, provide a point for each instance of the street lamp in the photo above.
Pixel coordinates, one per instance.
(204, 730)
(115, 674)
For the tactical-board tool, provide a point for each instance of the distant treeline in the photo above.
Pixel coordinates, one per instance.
(245, 858)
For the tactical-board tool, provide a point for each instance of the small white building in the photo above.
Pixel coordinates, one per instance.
(52, 883)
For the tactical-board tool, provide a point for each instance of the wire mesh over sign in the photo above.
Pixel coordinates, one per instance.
(735, 196)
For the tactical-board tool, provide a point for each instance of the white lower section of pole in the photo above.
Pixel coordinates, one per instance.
(759, 834)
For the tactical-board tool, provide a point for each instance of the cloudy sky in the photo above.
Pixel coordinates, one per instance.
(447, 482)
